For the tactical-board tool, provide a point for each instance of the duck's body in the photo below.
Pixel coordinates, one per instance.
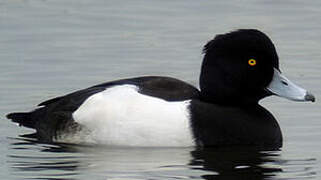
(238, 70)
(143, 111)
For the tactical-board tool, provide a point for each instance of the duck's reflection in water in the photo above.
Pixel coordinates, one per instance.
(33, 160)
(236, 163)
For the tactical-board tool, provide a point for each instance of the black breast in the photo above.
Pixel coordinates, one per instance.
(216, 125)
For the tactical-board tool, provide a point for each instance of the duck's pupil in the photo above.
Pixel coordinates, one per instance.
(252, 62)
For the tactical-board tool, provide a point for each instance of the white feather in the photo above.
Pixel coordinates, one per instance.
(122, 116)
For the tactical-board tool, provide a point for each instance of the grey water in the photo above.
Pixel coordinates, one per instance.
(50, 48)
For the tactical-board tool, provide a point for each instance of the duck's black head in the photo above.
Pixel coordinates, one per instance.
(238, 68)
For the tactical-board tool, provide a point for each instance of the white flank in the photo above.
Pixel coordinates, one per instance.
(121, 116)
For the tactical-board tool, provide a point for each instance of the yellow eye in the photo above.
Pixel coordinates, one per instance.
(252, 62)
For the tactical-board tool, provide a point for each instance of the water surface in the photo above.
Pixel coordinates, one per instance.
(49, 48)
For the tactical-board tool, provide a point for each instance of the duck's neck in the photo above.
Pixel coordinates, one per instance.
(224, 99)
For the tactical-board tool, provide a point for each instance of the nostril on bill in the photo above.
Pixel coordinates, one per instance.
(285, 83)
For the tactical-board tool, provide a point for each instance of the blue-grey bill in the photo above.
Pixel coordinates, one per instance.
(283, 87)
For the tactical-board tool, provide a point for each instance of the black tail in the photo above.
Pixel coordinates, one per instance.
(23, 118)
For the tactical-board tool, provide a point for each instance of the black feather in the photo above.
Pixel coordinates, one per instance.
(23, 118)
